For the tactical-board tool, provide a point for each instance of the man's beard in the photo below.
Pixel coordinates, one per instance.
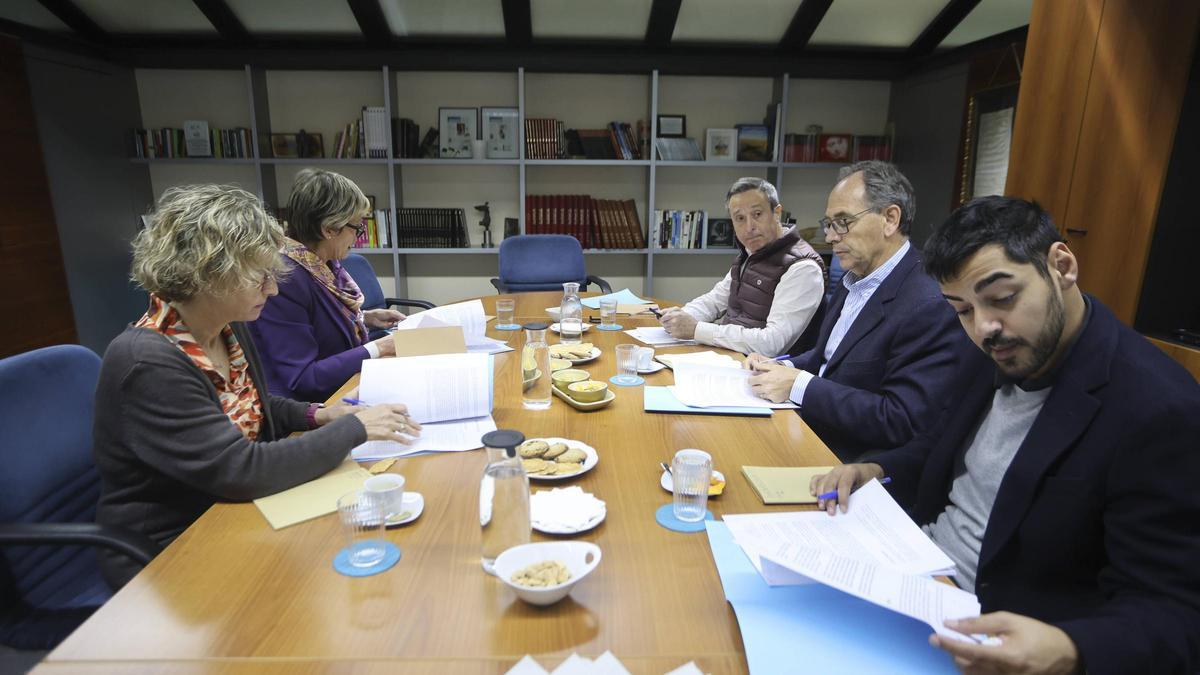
(1043, 346)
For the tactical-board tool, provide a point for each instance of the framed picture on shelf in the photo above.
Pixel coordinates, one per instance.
(309, 145)
(457, 127)
(672, 126)
(284, 146)
(500, 132)
(720, 145)
(720, 233)
(834, 147)
(753, 143)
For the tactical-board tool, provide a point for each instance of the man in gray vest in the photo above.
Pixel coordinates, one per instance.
(773, 289)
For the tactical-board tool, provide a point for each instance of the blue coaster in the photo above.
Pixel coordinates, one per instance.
(621, 382)
(508, 326)
(341, 562)
(665, 515)
(615, 326)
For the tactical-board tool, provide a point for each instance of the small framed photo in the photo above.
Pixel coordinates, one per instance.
(720, 145)
(500, 133)
(834, 147)
(720, 233)
(309, 145)
(672, 126)
(458, 129)
(284, 146)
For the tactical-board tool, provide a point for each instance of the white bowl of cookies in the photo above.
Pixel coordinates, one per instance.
(545, 572)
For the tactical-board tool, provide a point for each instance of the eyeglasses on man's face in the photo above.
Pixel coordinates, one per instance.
(841, 225)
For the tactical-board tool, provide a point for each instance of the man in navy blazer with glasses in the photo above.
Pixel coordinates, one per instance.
(1062, 479)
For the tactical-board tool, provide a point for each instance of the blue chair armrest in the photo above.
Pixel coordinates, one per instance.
(404, 302)
(137, 546)
(500, 287)
(604, 287)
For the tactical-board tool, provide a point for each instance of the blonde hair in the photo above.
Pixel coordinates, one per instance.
(214, 239)
(323, 198)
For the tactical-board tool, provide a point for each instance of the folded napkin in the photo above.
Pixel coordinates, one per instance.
(564, 509)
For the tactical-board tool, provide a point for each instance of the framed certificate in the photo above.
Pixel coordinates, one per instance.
(500, 133)
(457, 131)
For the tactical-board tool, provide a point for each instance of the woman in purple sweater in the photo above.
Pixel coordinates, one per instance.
(313, 335)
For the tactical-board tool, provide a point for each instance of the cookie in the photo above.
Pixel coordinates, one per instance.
(555, 450)
(531, 449)
(534, 466)
(572, 456)
(566, 468)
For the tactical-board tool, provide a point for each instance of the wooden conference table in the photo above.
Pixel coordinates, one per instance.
(231, 595)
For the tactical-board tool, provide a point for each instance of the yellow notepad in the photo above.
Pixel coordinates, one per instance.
(784, 484)
(314, 498)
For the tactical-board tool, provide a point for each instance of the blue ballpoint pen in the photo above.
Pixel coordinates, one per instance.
(833, 495)
(785, 357)
(353, 401)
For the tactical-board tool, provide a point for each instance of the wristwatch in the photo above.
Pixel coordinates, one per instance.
(311, 414)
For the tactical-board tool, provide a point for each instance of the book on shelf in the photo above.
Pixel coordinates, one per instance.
(800, 148)
(774, 110)
(673, 228)
(548, 138)
(431, 228)
(678, 150)
(406, 138)
(195, 134)
(596, 223)
(172, 143)
(872, 147)
(378, 232)
(752, 143)
(375, 132)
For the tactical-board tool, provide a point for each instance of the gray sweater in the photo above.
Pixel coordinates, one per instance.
(166, 451)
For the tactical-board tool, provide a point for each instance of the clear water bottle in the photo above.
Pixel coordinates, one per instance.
(570, 315)
(503, 497)
(535, 368)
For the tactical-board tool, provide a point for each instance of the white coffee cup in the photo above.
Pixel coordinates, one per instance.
(388, 488)
(645, 358)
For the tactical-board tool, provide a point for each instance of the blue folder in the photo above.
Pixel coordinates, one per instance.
(815, 628)
(661, 400)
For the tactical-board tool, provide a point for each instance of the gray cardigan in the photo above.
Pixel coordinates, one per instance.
(166, 452)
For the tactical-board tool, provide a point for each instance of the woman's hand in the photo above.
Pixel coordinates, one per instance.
(387, 346)
(382, 318)
(387, 422)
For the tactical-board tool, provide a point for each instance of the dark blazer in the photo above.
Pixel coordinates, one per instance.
(1096, 525)
(888, 379)
(166, 451)
(309, 349)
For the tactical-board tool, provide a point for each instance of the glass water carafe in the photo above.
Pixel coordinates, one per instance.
(570, 315)
(503, 497)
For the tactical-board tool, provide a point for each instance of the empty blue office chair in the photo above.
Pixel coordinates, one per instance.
(49, 578)
(543, 262)
(364, 275)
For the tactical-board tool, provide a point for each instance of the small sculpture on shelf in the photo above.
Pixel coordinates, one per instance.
(486, 224)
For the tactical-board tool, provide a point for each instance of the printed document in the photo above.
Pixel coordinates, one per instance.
(875, 530)
(436, 388)
(435, 437)
(702, 386)
(468, 314)
(709, 358)
(656, 336)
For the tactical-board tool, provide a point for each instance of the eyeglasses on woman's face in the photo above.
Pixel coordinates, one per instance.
(359, 228)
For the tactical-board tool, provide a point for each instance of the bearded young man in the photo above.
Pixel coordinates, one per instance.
(1061, 480)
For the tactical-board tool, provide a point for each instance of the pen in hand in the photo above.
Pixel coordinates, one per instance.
(833, 495)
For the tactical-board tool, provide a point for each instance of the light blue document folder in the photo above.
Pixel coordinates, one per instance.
(661, 400)
(817, 629)
(623, 297)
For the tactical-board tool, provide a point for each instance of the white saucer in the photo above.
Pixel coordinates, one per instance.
(669, 485)
(554, 327)
(655, 366)
(595, 520)
(412, 506)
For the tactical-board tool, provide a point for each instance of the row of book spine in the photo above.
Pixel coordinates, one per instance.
(378, 233)
(596, 223)
(431, 228)
(674, 228)
(169, 142)
(364, 138)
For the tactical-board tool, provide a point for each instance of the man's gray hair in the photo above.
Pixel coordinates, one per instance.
(885, 186)
(751, 183)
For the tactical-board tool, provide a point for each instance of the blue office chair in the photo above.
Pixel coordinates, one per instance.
(542, 262)
(364, 275)
(49, 578)
(835, 278)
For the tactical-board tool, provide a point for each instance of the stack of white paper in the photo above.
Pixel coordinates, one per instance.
(656, 336)
(705, 386)
(709, 358)
(469, 315)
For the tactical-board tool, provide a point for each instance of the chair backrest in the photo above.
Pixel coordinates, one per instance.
(835, 278)
(47, 400)
(364, 275)
(541, 262)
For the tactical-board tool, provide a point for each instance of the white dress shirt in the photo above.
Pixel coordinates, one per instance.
(860, 291)
(796, 300)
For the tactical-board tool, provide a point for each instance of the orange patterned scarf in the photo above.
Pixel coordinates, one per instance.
(335, 279)
(239, 397)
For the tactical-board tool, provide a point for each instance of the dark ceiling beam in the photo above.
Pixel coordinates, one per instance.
(804, 23)
(224, 20)
(371, 21)
(661, 26)
(942, 25)
(965, 53)
(518, 21)
(67, 42)
(76, 19)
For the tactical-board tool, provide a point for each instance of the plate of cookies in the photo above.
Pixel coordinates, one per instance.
(556, 458)
(577, 353)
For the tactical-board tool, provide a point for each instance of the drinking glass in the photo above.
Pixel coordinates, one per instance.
(608, 314)
(627, 357)
(361, 514)
(504, 314)
(691, 471)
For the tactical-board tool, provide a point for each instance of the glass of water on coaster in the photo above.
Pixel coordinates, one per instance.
(691, 472)
(504, 314)
(608, 314)
(362, 513)
(627, 360)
